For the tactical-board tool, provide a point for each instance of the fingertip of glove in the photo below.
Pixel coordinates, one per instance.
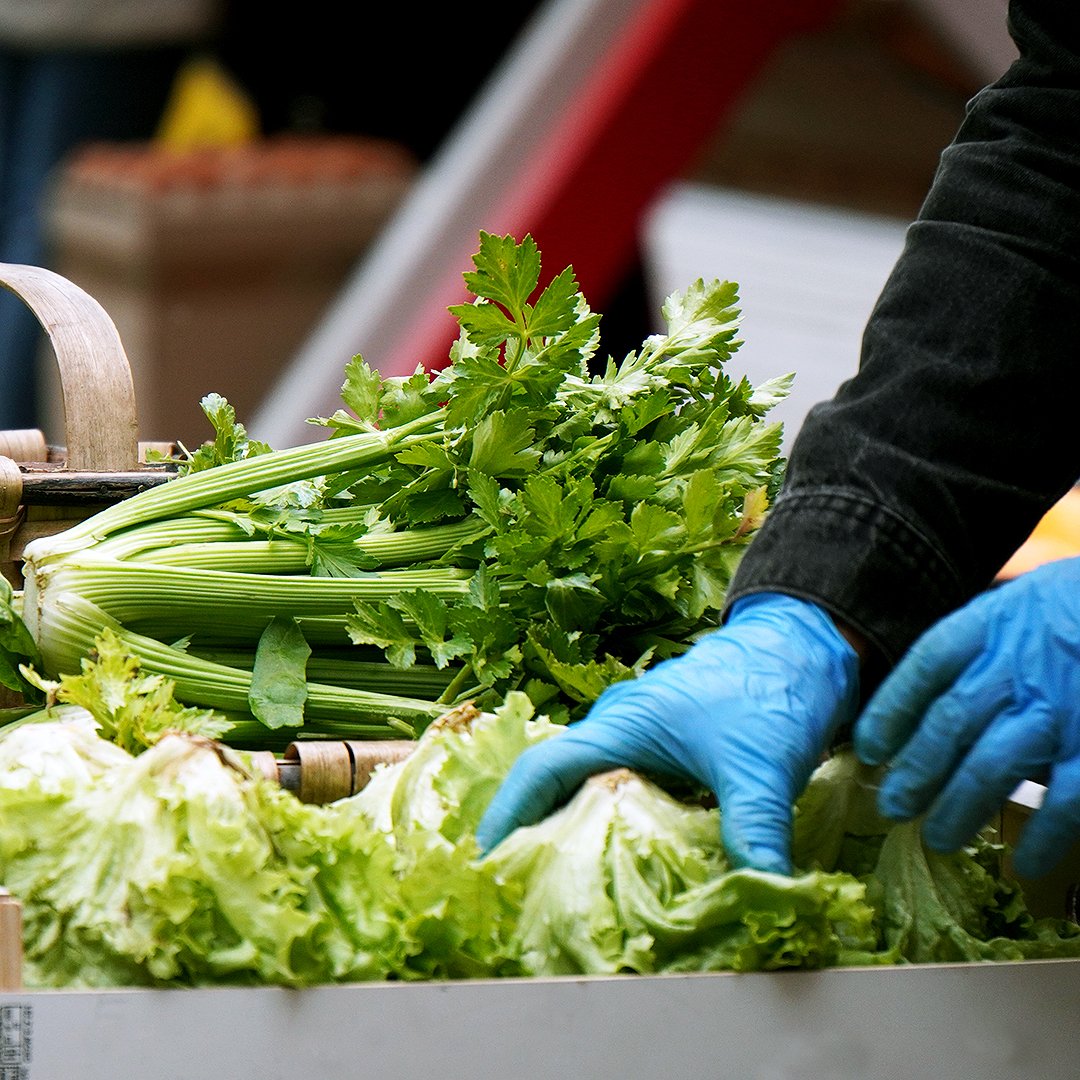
(866, 737)
(498, 821)
(766, 861)
(870, 755)
(1034, 858)
(939, 837)
(1027, 866)
(487, 837)
(895, 806)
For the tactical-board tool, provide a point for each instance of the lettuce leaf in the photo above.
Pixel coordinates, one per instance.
(159, 872)
(625, 878)
(132, 708)
(181, 865)
(17, 646)
(443, 787)
(957, 907)
(45, 760)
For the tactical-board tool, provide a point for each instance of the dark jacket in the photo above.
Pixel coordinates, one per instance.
(909, 489)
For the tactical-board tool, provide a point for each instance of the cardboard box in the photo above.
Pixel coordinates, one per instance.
(1057, 893)
(216, 263)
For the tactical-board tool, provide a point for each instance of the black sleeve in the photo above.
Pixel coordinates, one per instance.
(909, 489)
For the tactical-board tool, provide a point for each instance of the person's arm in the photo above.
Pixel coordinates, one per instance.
(909, 490)
(904, 494)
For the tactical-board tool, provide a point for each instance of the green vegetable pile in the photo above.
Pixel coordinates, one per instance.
(182, 865)
(527, 519)
(467, 560)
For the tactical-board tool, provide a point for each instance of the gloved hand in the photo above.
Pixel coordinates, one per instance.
(747, 712)
(986, 698)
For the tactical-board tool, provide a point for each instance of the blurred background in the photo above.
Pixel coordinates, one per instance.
(313, 189)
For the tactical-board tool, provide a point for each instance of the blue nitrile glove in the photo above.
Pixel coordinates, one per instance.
(986, 698)
(747, 712)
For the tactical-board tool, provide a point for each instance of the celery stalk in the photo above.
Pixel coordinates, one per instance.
(236, 479)
(283, 554)
(71, 622)
(169, 601)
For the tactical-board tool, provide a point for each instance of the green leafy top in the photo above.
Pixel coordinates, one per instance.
(230, 442)
(616, 496)
(600, 506)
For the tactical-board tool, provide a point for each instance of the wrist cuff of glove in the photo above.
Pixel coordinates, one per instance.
(806, 613)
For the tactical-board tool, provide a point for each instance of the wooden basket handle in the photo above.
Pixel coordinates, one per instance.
(100, 415)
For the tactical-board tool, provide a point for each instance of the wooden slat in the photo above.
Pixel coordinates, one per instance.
(11, 946)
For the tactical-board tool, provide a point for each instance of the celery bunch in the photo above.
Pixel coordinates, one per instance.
(526, 519)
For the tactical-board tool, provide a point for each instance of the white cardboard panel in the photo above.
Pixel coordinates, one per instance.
(808, 278)
(927, 1022)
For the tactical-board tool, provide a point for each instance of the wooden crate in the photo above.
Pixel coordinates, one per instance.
(44, 488)
(216, 263)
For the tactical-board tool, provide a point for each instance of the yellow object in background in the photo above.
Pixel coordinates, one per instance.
(1057, 536)
(207, 108)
